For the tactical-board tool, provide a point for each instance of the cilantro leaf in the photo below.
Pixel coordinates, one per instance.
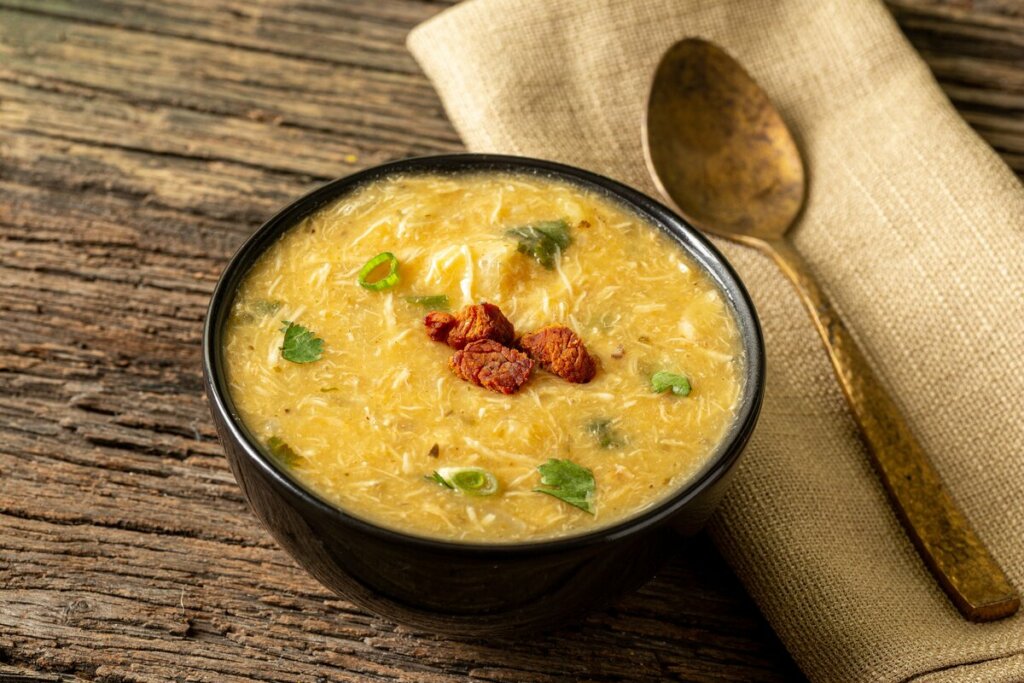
(253, 310)
(603, 432)
(543, 241)
(569, 482)
(263, 307)
(556, 231)
(300, 345)
(282, 452)
(663, 381)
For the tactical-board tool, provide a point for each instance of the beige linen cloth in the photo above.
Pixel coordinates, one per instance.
(916, 229)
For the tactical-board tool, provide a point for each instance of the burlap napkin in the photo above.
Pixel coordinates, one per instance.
(916, 229)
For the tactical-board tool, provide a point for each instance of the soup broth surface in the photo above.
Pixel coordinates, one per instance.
(367, 424)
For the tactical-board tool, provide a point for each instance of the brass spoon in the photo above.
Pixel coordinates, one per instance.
(721, 153)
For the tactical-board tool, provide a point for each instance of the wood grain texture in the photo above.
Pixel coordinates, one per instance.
(140, 142)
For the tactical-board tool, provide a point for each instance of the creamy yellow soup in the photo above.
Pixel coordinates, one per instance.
(369, 422)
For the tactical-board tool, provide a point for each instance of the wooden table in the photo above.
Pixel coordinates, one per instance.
(141, 142)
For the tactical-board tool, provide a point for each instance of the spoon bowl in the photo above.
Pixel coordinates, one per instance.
(722, 152)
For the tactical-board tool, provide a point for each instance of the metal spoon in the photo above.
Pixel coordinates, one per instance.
(718, 149)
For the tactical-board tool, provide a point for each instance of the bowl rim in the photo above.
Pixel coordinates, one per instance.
(696, 245)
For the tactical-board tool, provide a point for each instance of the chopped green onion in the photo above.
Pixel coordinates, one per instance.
(438, 479)
(389, 280)
(472, 481)
(435, 302)
(543, 241)
(663, 381)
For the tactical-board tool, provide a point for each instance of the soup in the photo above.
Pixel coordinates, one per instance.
(483, 357)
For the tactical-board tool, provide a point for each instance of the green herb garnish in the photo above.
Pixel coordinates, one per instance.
(543, 241)
(438, 479)
(603, 432)
(389, 279)
(569, 482)
(282, 452)
(436, 302)
(663, 381)
(300, 345)
(263, 307)
(251, 311)
(473, 481)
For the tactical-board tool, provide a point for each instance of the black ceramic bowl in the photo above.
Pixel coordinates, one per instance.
(474, 588)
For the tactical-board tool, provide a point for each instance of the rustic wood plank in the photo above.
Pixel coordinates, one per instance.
(134, 87)
(139, 144)
(359, 33)
(976, 50)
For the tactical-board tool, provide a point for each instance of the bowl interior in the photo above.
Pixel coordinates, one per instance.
(697, 247)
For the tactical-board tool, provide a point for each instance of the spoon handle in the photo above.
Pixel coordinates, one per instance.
(938, 527)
